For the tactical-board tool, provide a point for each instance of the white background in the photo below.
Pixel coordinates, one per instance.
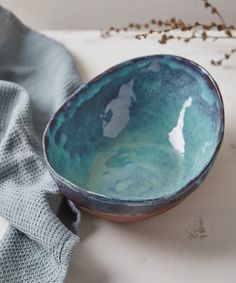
(97, 14)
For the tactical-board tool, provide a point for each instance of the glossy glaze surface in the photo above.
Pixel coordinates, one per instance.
(139, 132)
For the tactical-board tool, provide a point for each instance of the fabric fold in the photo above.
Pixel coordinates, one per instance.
(36, 75)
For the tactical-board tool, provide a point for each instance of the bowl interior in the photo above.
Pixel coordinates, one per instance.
(141, 130)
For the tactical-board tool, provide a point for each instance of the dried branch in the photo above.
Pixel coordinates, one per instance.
(227, 56)
(164, 28)
(214, 10)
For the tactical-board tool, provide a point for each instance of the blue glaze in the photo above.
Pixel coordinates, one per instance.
(142, 131)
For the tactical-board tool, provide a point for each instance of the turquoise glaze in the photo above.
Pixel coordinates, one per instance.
(140, 131)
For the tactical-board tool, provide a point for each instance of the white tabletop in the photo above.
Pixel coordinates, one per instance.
(194, 242)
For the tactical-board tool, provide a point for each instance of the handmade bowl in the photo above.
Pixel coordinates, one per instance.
(137, 139)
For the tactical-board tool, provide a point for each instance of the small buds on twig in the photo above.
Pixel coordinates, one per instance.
(163, 29)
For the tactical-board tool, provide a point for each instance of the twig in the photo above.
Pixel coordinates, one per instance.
(214, 10)
(227, 56)
(163, 29)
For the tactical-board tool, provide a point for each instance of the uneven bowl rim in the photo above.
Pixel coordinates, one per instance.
(184, 189)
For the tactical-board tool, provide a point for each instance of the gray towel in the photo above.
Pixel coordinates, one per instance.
(36, 74)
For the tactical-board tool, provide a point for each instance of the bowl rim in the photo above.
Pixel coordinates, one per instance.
(182, 190)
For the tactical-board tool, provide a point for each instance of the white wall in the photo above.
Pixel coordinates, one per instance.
(97, 14)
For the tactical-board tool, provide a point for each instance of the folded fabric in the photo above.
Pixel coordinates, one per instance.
(36, 75)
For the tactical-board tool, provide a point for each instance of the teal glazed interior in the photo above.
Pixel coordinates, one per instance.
(141, 130)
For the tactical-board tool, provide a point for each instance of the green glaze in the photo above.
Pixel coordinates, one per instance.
(142, 130)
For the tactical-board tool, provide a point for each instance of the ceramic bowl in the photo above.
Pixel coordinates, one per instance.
(137, 139)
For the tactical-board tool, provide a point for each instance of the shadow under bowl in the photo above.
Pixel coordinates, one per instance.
(137, 139)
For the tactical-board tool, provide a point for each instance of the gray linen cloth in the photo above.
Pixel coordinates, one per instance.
(36, 74)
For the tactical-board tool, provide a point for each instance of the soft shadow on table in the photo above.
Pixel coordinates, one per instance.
(231, 66)
(86, 269)
(82, 69)
(84, 227)
(218, 193)
(87, 226)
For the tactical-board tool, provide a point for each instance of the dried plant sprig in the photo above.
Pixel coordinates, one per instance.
(163, 29)
(153, 23)
(192, 27)
(227, 56)
(214, 10)
(173, 23)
